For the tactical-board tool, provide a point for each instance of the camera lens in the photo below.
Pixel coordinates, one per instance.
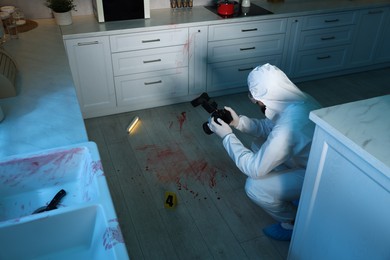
(206, 128)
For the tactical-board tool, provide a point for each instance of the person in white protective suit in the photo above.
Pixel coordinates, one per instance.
(276, 163)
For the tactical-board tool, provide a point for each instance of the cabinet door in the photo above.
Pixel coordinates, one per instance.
(343, 211)
(367, 35)
(249, 29)
(148, 40)
(125, 63)
(90, 63)
(319, 61)
(197, 65)
(383, 50)
(330, 20)
(245, 48)
(143, 89)
(323, 38)
(231, 76)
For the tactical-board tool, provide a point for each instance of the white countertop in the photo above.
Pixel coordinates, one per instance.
(45, 113)
(87, 26)
(363, 126)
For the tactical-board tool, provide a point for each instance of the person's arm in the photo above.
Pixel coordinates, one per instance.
(251, 126)
(273, 152)
(255, 127)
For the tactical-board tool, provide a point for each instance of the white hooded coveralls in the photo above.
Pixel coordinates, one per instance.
(275, 168)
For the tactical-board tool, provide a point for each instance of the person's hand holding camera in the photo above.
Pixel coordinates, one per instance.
(236, 118)
(221, 128)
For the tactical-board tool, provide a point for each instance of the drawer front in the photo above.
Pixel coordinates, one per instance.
(149, 60)
(329, 20)
(245, 48)
(325, 37)
(250, 29)
(234, 74)
(153, 86)
(320, 61)
(147, 40)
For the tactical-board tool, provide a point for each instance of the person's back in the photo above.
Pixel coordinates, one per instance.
(295, 119)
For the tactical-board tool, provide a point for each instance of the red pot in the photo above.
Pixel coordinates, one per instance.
(225, 8)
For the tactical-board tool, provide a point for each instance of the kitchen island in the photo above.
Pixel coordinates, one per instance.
(343, 211)
(45, 112)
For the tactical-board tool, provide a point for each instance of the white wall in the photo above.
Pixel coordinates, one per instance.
(35, 9)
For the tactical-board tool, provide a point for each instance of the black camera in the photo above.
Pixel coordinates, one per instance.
(212, 108)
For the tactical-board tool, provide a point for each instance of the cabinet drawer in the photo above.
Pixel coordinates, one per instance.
(146, 40)
(250, 29)
(320, 61)
(329, 20)
(245, 48)
(152, 86)
(234, 74)
(149, 60)
(325, 37)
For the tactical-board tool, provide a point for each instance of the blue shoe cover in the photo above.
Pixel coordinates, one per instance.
(277, 232)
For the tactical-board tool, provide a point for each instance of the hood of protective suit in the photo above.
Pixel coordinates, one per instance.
(271, 86)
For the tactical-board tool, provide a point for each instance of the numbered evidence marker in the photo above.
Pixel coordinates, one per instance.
(170, 199)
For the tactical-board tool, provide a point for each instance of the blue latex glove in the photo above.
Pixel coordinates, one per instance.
(222, 129)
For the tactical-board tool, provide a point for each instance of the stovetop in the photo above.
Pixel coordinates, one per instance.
(253, 11)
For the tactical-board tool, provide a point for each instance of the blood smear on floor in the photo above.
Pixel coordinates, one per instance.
(181, 119)
(170, 165)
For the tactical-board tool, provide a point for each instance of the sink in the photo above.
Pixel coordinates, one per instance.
(254, 10)
(30, 181)
(84, 222)
(73, 234)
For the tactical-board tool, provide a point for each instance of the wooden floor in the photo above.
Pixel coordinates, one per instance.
(168, 151)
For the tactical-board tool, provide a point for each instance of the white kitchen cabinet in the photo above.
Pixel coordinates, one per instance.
(197, 65)
(148, 40)
(231, 76)
(91, 67)
(321, 43)
(150, 68)
(344, 206)
(370, 27)
(246, 29)
(244, 48)
(143, 90)
(320, 61)
(149, 60)
(234, 50)
(216, 56)
(382, 53)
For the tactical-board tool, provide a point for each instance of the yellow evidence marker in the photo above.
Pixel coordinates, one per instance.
(170, 200)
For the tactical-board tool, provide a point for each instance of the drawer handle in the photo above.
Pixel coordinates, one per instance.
(245, 69)
(87, 43)
(153, 82)
(247, 49)
(375, 12)
(147, 41)
(332, 21)
(150, 61)
(249, 30)
(323, 57)
(328, 38)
